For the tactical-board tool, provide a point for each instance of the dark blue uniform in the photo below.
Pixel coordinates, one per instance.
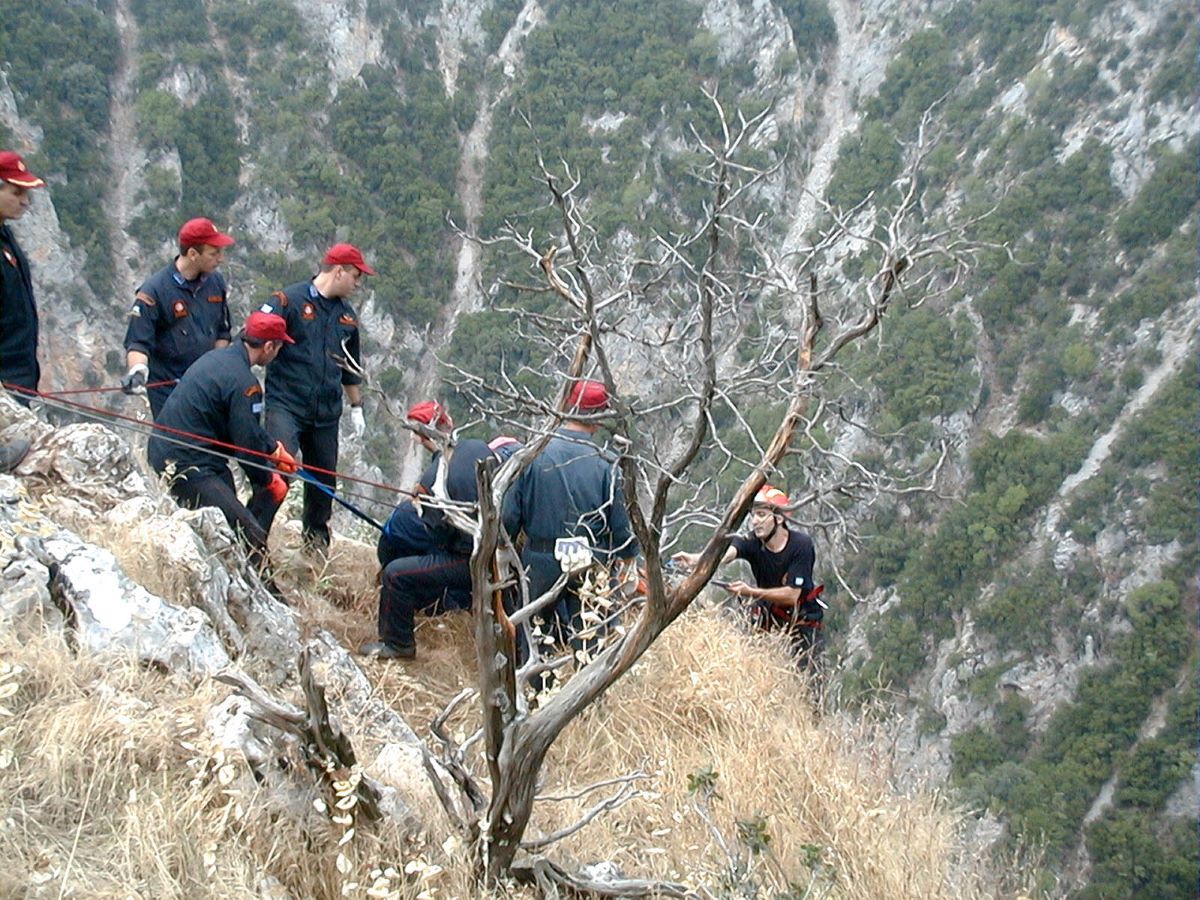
(175, 322)
(304, 391)
(442, 573)
(573, 489)
(404, 534)
(218, 399)
(18, 319)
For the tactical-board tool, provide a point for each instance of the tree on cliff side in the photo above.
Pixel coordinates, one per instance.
(723, 328)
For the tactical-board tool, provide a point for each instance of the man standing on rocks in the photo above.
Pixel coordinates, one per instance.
(306, 383)
(178, 315)
(18, 311)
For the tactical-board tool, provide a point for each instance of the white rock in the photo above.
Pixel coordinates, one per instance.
(115, 616)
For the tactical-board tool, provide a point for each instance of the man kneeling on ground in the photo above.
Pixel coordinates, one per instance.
(423, 580)
(211, 416)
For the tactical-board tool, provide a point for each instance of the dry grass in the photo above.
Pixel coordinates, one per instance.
(706, 696)
(111, 788)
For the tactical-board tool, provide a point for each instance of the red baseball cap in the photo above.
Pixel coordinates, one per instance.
(347, 255)
(13, 170)
(430, 412)
(266, 326)
(202, 231)
(587, 396)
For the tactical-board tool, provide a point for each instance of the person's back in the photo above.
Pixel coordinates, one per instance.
(200, 406)
(461, 486)
(213, 414)
(570, 490)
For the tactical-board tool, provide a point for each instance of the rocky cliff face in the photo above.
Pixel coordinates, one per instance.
(1103, 91)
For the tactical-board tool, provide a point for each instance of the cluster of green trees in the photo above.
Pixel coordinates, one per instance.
(60, 59)
(1012, 476)
(925, 369)
(175, 36)
(644, 60)
(1046, 791)
(404, 168)
(1075, 241)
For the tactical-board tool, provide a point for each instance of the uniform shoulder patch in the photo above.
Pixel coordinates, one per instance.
(282, 298)
(217, 298)
(143, 297)
(253, 391)
(347, 319)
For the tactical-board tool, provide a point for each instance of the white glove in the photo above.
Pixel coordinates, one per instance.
(358, 424)
(134, 381)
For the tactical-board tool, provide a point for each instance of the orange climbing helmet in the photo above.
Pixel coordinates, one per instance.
(770, 496)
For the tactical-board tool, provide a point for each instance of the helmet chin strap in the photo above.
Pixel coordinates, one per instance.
(774, 528)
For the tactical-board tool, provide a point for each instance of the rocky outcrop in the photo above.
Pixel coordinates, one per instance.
(208, 615)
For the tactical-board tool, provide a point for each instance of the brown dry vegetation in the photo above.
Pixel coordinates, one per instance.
(111, 785)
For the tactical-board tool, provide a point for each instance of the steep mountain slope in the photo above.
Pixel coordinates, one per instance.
(1035, 618)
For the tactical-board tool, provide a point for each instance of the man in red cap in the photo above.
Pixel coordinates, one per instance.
(571, 492)
(306, 384)
(404, 533)
(18, 312)
(178, 315)
(213, 416)
(426, 559)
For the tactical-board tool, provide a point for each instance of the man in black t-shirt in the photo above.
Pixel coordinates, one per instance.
(781, 558)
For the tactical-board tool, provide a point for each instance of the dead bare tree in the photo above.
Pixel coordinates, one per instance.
(678, 310)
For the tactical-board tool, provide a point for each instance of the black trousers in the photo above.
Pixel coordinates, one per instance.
(807, 638)
(198, 488)
(316, 445)
(413, 583)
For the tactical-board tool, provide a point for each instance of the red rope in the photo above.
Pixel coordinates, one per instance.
(166, 429)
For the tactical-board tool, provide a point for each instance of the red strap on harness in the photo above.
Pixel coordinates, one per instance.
(785, 613)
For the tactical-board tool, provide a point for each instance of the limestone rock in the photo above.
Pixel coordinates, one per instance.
(114, 615)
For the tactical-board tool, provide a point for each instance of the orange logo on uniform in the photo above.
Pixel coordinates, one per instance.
(347, 319)
(180, 309)
(254, 390)
(309, 312)
(217, 299)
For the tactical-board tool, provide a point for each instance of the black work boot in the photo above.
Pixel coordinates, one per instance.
(11, 453)
(387, 650)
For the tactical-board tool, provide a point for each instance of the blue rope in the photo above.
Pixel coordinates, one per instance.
(312, 479)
